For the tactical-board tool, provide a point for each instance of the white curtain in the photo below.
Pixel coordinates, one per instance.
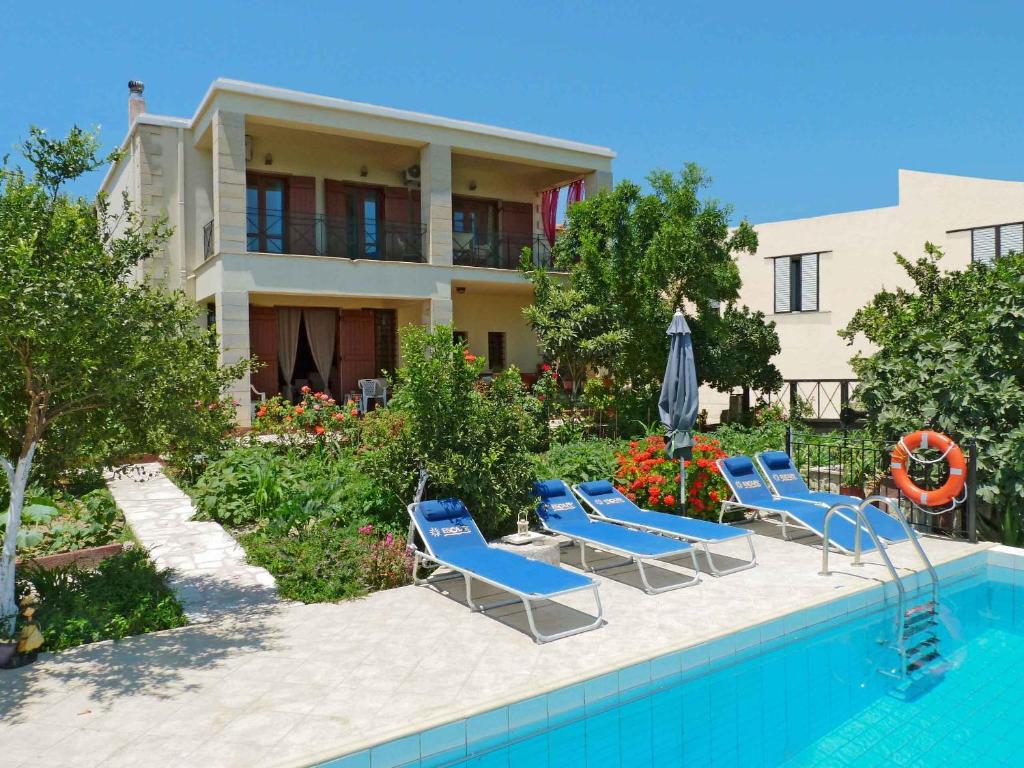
(320, 328)
(288, 321)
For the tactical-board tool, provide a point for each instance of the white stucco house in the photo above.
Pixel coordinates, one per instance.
(312, 227)
(810, 275)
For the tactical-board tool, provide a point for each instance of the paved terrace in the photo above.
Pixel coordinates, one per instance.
(290, 685)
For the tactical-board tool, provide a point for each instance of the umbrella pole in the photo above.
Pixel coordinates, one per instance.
(682, 483)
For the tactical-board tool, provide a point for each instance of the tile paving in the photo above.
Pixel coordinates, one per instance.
(270, 683)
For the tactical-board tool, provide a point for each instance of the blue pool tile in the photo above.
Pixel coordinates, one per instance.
(665, 669)
(358, 760)
(694, 661)
(598, 691)
(527, 716)
(602, 739)
(565, 704)
(529, 753)
(567, 746)
(634, 676)
(487, 730)
(395, 753)
(442, 745)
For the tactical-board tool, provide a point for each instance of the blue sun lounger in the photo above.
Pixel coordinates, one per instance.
(750, 492)
(785, 481)
(560, 513)
(452, 540)
(610, 504)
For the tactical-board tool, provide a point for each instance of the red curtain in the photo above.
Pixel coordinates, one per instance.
(548, 211)
(575, 194)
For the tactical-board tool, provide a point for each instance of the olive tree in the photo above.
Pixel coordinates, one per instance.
(95, 361)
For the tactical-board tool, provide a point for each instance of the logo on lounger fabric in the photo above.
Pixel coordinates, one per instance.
(561, 506)
(451, 530)
(784, 476)
(748, 484)
(613, 500)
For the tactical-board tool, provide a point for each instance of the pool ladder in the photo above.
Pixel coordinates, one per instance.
(916, 632)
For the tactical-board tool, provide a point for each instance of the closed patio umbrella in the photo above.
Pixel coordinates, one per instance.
(678, 403)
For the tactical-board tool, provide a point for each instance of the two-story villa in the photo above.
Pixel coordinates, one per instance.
(311, 228)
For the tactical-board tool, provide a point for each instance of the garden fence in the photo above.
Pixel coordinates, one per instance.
(839, 464)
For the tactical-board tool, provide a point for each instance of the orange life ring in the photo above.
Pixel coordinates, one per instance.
(926, 438)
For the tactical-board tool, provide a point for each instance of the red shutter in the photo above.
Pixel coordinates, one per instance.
(414, 201)
(357, 348)
(263, 346)
(335, 208)
(396, 206)
(302, 215)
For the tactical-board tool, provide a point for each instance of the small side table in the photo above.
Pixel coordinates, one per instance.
(547, 549)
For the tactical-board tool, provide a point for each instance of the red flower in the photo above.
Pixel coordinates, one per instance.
(354, 412)
(305, 390)
(299, 410)
(339, 416)
(261, 413)
(670, 500)
(545, 367)
(318, 429)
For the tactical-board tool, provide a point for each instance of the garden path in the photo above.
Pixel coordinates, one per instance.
(210, 575)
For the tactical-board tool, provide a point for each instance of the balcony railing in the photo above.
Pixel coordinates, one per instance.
(498, 249)
(314, 234)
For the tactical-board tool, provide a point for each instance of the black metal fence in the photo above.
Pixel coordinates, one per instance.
(813, 400)
(498, 249)
(838, 463)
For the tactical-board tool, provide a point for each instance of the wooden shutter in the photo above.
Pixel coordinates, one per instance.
(517, 218)
(302, 215)
(336, 210)
(983, 245)
(782, 267)
(397, 208)
(809, 282)
(1011, 239)
(263, 346)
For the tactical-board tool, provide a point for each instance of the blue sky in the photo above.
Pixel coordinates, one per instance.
(796, 109)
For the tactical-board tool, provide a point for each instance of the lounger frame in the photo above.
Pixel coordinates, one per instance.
(630, 556)
(715, 570)
(784, 516)
(826, 505)
(525, 598)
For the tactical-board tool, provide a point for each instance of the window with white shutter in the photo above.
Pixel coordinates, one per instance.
(782, 287)
(983, 244)
(1011, 239)
(809, 282)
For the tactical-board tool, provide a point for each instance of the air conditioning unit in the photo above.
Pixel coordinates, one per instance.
(412, 176)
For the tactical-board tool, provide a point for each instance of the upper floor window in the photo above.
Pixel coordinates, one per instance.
(796, 283)
(265, 213)
(997, 240)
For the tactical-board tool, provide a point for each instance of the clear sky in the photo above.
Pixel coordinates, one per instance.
(796, 109)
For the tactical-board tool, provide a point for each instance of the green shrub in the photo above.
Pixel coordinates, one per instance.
(476, 439)
(89, 520)
(124, 596)
(321, 561)
(261, 482)
(579, 461)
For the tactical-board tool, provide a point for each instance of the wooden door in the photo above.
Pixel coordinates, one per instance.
(263, 346)
(357, 351)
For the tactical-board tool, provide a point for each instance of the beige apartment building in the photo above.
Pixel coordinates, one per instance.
(810, 275)
(312, 228)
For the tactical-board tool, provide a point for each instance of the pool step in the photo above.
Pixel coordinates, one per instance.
(920, 664)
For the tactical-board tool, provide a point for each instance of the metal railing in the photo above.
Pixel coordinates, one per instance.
(498, 249)
(208, 240)
(315, 234)
(838, 463)
(820, 400)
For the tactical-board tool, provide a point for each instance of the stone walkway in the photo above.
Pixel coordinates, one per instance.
(297, 684)
(210, 574)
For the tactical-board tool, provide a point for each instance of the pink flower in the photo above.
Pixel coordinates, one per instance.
(366, 530)
(316, 406)
(388, 539)
(305, 390)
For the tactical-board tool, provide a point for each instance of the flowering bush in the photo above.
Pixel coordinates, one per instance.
(386, 561)
(650, 478)
(317, 413)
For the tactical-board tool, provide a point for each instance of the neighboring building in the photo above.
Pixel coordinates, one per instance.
(811, 275)
(313, 227)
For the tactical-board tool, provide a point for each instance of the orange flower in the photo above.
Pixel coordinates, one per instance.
(318, 429)
(299, 410)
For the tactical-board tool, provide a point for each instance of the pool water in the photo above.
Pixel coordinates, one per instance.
(818, 700)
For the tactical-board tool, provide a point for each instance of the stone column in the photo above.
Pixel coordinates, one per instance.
(596, 181)
(228, 183)
(436, 202)
(233, 332)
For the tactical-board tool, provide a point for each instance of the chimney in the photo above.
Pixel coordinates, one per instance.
(136, 104)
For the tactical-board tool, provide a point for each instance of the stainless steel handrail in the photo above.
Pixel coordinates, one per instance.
(893, 504)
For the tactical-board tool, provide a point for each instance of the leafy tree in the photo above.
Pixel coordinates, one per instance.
(949, 355)
(94, 363)
(632, 259)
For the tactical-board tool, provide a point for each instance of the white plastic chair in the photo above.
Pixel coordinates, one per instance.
(372, 389)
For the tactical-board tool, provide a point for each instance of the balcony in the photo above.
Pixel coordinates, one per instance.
(498, 250)
(314, 234)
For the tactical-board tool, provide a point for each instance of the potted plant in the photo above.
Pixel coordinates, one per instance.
(8, 642)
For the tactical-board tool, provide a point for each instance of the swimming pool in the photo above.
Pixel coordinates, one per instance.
(804, 690)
